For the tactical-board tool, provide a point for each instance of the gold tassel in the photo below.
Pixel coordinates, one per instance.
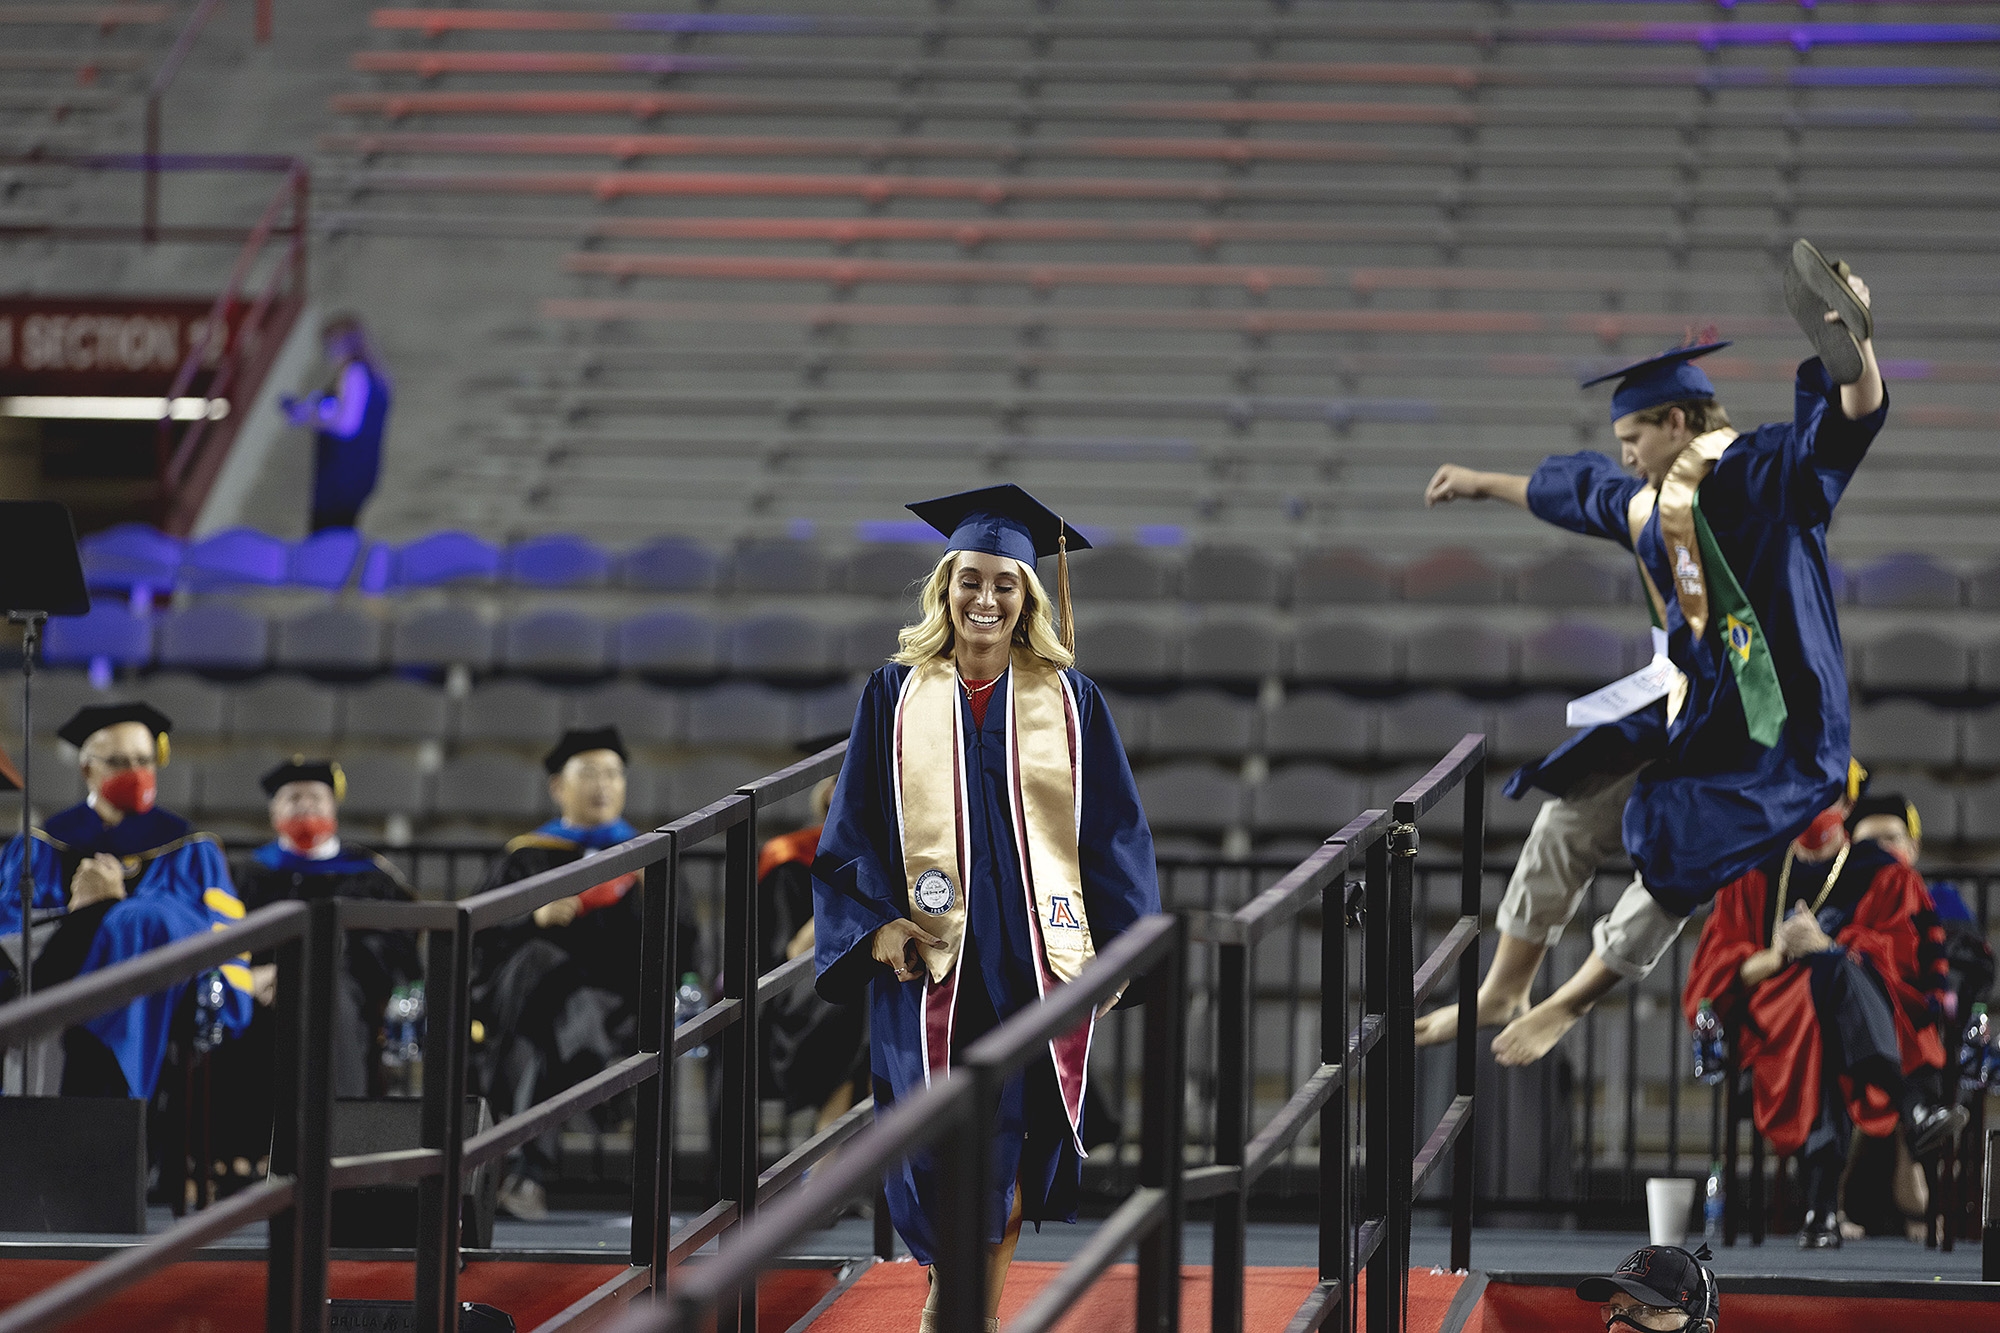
(1062, 593)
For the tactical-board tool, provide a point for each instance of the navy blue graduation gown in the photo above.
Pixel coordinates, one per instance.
(1713, 803)
(859, 886)
(176, 884)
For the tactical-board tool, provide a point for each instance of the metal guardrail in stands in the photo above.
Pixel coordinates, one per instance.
(156, 92)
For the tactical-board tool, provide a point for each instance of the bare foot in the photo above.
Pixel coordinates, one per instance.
(1441, 1025)
(1534, 1034)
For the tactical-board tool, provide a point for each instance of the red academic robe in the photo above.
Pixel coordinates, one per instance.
(1885, 919)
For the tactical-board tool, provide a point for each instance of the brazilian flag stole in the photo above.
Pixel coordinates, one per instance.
(1703, 582)
(1044, 802)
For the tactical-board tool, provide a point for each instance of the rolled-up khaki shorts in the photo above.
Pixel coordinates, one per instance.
(1572, 836)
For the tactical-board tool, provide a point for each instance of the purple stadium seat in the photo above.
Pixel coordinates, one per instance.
(1905, 580)
(325, 559)
(670, 564)
(214, 635)
(1453, 575)
(555, 640)
(668, 643)
(109, 632)
(131, 555)
(1572, 652)
(446, 557)
(558, 560)
(236, 557)
(443, 636)
(329, 638)
(378, 569)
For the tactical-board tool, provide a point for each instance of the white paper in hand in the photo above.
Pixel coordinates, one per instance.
(1622, 698)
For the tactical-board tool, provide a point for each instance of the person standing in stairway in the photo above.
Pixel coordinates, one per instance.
(1736, 735)
(985, 838)
(348, 421)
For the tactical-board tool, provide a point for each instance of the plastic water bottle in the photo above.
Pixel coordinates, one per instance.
(688, 1003)
(1712, 1202)
(1976, 1063)
(1711, 1053)
(210, 996)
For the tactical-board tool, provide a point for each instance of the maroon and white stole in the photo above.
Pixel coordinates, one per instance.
(1044, 767)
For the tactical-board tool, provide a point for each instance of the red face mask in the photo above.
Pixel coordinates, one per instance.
(306, 832)
(1825, 830)
(132, 791)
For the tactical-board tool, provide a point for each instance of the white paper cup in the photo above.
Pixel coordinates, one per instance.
(1669, 1200)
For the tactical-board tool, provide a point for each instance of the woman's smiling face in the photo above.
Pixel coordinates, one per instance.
(986, 600)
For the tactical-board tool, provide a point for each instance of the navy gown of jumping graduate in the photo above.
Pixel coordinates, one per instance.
(176, 885)
(1752, 742)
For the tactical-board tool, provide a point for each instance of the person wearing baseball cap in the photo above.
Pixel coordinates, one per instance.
(1658, 1289)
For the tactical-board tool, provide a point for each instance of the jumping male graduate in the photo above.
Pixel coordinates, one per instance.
(1738, 733)
(132, 877)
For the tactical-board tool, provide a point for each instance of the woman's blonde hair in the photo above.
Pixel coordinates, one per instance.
(932, 635)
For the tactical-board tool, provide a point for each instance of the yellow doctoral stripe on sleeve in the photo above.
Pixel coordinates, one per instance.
(237, 975)
(223, 903)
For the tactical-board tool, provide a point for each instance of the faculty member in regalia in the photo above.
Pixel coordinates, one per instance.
(131, 877)
(985, 839)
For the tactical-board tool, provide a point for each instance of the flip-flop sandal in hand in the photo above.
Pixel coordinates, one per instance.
(1812, 288)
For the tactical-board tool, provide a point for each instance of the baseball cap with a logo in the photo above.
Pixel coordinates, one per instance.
(1663, 1276)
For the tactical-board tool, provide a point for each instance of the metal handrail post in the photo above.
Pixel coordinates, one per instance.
(1989, 1245)
(740, 1121)
(1232, 1129)
(1399, 1047)
(1163, 1134)
(653, 1138)
(960, 1271)
(447, 987)
(313, 1203)
(1382, 1312)
(1336, 1255)
(288, 1012)
(1472, 844)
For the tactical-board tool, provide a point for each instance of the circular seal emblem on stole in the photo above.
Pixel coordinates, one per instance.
(933, 892)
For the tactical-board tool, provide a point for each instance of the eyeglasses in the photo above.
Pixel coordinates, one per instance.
(1631, 1315)
(121, 763)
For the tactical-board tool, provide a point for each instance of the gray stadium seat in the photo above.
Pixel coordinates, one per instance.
(1132, 715)
(779, 644)
(893, 570)
(1512, 819)
(1913, 581)
(58, 694)
(1986, 665)
(1340, 577)
(1572, 652)
(1112, 574)
(177, 786)
(556, 642)
(195, 705)
(648, 793)
(213, 635)
(380, 785)
(1113, 647)
(669, 643)
(642, 714)
(1568, 580)
(1305, 798)
(1426, 724)
(1902, 731)
(1454, 576)
(1320, 724)
(1459, 653)
(670, 564)
(869, 640)
(443, 636)
(780, 565)
(492, 787)
(1233, 647)
(228, 783)
(743, 714)
(1191, 797)
(1981, 814)
(331, 637)
(1329, 649)
(57, 779)
(288, 708)
(1937, 803)
(1982, 738)
(1982, 590)
(1233, 574)
(515, 711)
(1204, 722)
(397, 710)
(828, 715)
(1529, 726)
(1913, 660)
(709, 779)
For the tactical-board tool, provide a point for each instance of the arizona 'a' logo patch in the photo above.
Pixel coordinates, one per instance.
(1639, 1264)
(1062, 915)
(1737, 635)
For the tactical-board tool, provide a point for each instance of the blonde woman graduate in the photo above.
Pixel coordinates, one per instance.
(985, 839)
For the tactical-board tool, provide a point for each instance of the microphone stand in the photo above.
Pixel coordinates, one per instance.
(31, 632)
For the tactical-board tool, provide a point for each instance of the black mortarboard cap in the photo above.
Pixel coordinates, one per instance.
(301, 769)
(1668, 377)
(580, 740)
(87, 722)
(1000, 520)
(1886, 803)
